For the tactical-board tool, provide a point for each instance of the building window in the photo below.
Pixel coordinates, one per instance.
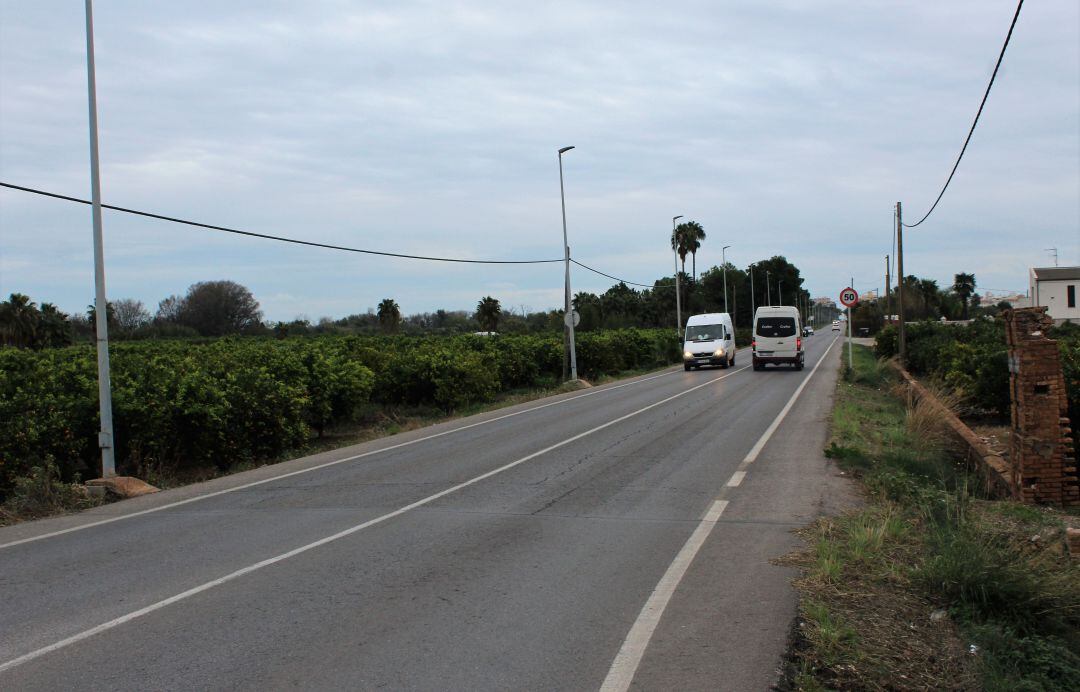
(1070, 292)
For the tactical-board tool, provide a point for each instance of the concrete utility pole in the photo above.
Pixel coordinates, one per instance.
(101, 305)
(675, 246)
(902, 335)
(569, 316)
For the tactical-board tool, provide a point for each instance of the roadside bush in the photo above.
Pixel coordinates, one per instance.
(972, 359)
(184, 406)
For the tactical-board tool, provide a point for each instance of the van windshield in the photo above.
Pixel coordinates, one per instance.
(705, 332)
(776, 326)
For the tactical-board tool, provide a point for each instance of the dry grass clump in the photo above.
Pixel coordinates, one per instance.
(861, 626)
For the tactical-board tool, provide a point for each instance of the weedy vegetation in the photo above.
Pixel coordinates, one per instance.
(930, 585)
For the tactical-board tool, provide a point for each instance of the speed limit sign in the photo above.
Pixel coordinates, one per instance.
(849, 296)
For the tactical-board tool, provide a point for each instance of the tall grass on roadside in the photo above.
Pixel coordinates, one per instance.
(42, 492)
(927, 537)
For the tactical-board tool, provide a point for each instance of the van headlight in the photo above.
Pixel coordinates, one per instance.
(687, 355)
(719, 353)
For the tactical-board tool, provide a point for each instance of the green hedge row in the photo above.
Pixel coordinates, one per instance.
(974, 359)
(183, 405)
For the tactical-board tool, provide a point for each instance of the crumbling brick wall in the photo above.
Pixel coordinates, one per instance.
(1041, 451)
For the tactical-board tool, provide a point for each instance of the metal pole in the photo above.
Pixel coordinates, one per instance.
(768, 286)
(888, 290)
(101, 309)
(723, 261)
(780, 291)
(678, 307)
(902, 336)
(850, 362)
(753, 310)
(566, 247)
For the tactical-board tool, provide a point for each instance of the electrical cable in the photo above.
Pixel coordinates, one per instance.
(615, 278)
(273, 237)
(972, 130)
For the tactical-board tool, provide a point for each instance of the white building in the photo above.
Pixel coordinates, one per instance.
(1057, 289)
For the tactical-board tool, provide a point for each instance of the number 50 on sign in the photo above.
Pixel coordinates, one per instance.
(849, 296)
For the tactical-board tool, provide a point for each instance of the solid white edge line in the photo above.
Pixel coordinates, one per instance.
(624, 666)
(245, 486)
(86, 634)
(764, 439)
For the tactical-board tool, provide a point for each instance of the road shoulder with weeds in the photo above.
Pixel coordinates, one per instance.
(929, 585)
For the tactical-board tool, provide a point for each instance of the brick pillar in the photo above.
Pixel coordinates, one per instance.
(1041, 450)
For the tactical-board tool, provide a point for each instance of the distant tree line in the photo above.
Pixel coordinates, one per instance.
(223, 308)
(924, 299)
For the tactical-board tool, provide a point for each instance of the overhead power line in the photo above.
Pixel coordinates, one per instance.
(267, 236)
(615, 278)
(976, 122)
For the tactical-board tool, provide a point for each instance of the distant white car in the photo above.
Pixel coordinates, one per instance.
(836, 325)
(807, 331)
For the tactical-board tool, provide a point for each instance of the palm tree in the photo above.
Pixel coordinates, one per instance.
(694, 235)
(55, 326)
(964, 286)
(19, 319)
(687, 240)
(931, 294)
(488, 312)
(389, 315)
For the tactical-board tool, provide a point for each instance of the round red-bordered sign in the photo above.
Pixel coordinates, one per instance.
(849, 296)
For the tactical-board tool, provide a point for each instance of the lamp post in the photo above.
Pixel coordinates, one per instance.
(768, 285)
(675, 247)
(566, 254)
(105, 436)
(780, 290)
(752, 308)
(723, 262)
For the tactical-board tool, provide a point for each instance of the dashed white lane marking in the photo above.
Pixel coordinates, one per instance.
(625, 666)
(354, 457)
(116, 622)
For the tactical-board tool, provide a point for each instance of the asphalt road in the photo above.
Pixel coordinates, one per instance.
(611, 537)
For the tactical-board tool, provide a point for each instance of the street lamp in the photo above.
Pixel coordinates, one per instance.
(723, 263)
(752, 308)
(768, 285)
(105, 436)
(566, 254)
(675, 247)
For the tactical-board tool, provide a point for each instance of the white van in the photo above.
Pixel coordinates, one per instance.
(709, 340)
(777, 336)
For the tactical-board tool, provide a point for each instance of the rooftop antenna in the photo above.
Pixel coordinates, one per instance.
(1053, 251)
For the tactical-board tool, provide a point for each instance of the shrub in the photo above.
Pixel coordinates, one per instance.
(181, 406)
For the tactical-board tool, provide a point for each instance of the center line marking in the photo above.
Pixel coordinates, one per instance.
(625, 666)
(105, 626)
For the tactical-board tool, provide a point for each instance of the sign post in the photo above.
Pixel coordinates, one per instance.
(848, 298)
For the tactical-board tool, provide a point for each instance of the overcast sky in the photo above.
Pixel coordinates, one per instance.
(432, 127)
